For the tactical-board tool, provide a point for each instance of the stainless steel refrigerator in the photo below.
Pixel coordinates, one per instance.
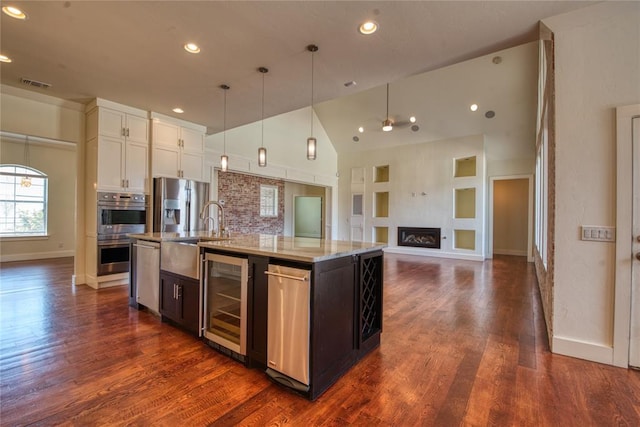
(177, 204)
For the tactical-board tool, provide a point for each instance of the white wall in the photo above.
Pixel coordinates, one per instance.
(597, 66)
(285, 138)
(413, 170)
(30, 113)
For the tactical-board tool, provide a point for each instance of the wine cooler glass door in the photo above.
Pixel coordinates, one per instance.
(225, 296)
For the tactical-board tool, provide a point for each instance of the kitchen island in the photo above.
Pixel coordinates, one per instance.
(304, 309)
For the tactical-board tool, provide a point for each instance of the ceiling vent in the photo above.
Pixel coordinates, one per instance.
(35, 83)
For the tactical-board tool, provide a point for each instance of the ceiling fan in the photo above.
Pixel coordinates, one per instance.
(389, 123)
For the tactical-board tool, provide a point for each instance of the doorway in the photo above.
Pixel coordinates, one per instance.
(307, 216)
(511, 216)
(626, 328)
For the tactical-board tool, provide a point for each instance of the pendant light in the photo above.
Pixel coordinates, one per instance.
(387, 124)
(262, 152)
(311, 141)
(224, 159)
(26, 180)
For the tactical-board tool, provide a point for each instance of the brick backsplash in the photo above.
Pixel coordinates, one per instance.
(241, 195)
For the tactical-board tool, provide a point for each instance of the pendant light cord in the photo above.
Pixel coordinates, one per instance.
(262, 121)
(27, 153)
(312, 92)
(224, 122)
(387, 101)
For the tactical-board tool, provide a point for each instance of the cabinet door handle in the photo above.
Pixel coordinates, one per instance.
(179, 294)
(123, 132)
(174, 291)
(127, 183)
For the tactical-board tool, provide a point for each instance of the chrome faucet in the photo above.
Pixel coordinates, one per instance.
(221, 225)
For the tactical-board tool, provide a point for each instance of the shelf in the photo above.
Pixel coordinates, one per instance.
(381, 205)
(381, 173)
(381, 234)
(226, 326)
(232, 294)
(465, 203)
(465, 239)
(465, 166)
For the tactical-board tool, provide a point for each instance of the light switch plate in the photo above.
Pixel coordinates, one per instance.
(596, 233)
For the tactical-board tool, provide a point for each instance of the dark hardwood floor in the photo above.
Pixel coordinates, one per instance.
(463, 344)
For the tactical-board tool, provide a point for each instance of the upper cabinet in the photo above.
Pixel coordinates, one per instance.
(177, 148)
(117, 147)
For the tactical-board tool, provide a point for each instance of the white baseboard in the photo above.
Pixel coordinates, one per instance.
(514, 252)
(36, 255)
(432, 253)
(583, 350)
(78, 279)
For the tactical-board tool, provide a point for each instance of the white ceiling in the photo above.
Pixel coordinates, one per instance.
(132, 53)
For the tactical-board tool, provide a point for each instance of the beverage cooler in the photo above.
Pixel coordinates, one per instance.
(225, 303)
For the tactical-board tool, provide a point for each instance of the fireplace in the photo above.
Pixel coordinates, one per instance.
(419, 237)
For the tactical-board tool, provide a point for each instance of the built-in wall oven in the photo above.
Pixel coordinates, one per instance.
(119, 214)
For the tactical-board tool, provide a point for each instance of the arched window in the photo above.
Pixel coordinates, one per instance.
(23, 201)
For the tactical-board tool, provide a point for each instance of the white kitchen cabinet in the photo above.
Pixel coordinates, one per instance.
(121, 160)
(177, 148)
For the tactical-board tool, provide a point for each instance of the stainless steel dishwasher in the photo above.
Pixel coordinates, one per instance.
(148, 274)
(288, 326)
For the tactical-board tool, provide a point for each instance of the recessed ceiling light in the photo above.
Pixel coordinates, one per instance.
(178, 110)
(351, 83)
(14, 12)
(474, 107)
(412, 119)
(192, 48)
(368, 27)
(5, 58)
(360, 129)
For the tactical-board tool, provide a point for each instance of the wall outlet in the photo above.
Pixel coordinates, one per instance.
(598, 233)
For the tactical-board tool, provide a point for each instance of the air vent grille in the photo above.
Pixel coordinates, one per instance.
(35, 83)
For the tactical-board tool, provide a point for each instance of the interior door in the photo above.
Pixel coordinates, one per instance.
(634, 344)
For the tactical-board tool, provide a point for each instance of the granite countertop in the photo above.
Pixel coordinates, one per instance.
(292, 248)
(175, 236)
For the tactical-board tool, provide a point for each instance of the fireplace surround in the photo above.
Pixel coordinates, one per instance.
(419, 237)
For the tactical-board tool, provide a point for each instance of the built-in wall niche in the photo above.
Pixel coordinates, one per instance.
(381, 204)
(465, 203)
(465, 166)
(381, 234)
(464, 239)
(381, 173)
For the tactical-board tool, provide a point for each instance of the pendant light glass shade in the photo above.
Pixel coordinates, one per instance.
(262, 157)
(311, 148)
(262, 152)
(224, 159)
(311, 141)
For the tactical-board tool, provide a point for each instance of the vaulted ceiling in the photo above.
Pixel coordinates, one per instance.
(132, 53)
